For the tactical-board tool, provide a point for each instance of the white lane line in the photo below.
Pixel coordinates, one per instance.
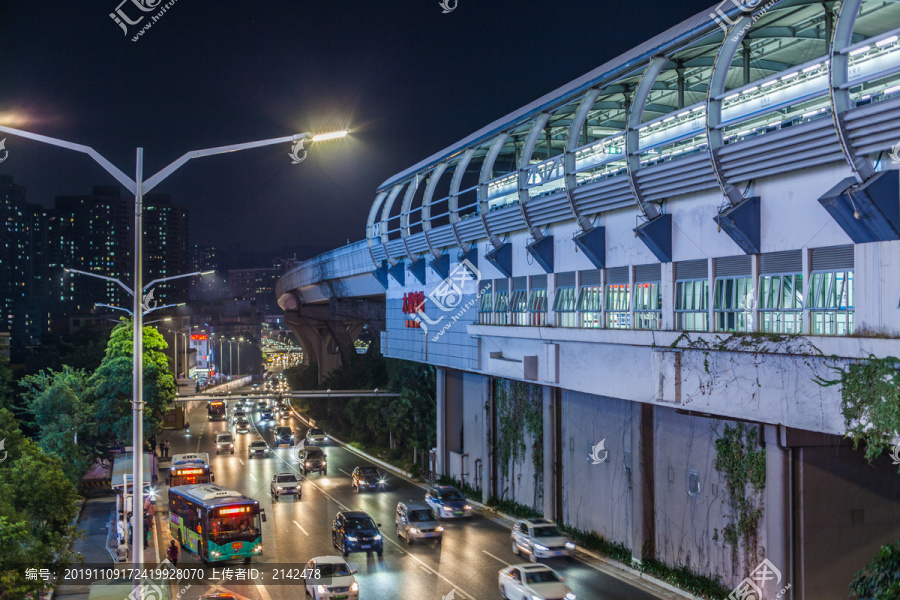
(252, 476)
(242, 462)
(301, 527)
(497, 558)
(387, 539)
(262, 591)
(344, 472)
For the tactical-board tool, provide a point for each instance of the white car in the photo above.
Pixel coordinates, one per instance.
(540, 538)
(316, 436)
(532, 582)
(331, 577)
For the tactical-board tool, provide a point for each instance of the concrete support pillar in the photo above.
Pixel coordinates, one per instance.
(643, 528)
(487, 473)
(551, 452)
(441, 392)
(778, 512)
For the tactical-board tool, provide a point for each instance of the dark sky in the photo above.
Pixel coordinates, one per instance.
(406, 78)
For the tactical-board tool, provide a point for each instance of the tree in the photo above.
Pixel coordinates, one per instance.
(61, 410)
(110, 387)
(34, 532)
(303, 377)
(880, 580)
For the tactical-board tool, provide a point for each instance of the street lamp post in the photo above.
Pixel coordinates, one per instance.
(138, 186)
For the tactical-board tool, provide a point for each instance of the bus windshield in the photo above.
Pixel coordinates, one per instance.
(239, 527)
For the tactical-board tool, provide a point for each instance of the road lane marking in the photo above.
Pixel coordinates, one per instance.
(387, 539)
(242, 462)
(344, 472)
(301, 527)
(252, 476)
(497, 558)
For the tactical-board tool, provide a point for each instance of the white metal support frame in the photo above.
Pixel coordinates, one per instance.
(578, 121)
(632, 132)
(373, 232)
(524, 163)
(458, 174)
(838, 75)
(714, 96)
(404, 210)
(385, 221)
(486, 168)
(426, 205)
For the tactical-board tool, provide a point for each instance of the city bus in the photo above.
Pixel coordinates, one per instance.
(215, 523)
(188, 469)
(215, 410)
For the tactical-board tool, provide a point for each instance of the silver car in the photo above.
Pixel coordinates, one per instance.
(285, 483)
(416, 521)
(540, 538)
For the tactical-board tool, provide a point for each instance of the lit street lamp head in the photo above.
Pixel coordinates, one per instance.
(322, 137)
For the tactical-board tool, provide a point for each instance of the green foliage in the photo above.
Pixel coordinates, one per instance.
(303, 377)
(880, 579)
(60, 408)
(467, 490)
(110, 387)
(520, 414)
(685, 579)
(33, 532)
(870, 402)
(512, 508)
(743, 463)
(595, 542)
(410, 419)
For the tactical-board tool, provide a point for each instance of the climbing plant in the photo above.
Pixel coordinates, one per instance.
(742, 461)
(519, 414)
(870, 401)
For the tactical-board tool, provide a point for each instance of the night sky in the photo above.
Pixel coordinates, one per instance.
(406, 78)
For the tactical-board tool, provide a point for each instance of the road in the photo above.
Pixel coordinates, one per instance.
(467, 561)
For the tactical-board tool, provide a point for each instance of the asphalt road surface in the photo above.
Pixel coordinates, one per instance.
(467, 562)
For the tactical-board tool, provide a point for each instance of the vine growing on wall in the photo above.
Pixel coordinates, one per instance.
(520, 416)
(742, 461)
(870, 401)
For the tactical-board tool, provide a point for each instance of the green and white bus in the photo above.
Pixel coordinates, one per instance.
(215, 523)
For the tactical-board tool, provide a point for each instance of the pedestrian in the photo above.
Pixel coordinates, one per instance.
(166, 449)
(152, 444)
(172, 553)
(148, 528)
(122, 551)
(130, 534)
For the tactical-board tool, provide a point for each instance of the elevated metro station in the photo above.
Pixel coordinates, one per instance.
(674, 249)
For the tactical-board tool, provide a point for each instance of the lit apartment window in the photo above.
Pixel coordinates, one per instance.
(618, 297)
(486, 307)
(518, 302)
(781, 303)
(564, 307)
(831, 302)
(830, 295)
(537, 307)
(501, 304)
(731, 301)
(647, 296)
(733, 294)
(692, 305)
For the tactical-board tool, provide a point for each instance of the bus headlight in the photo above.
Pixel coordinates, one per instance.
(258, 548)
(215, 553)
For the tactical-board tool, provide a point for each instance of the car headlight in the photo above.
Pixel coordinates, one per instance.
(439, 528)
(354, 587)
(467, 507)
(320, 589)
(377, 537)
(350, 538)
(540, 546)
(536, 598)
(323, 461)
(381, 482)
(307, 463)
(447, 508)
(570, 546)
(570, 596)
(413, 530)
(279, 488)
(231, 445)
